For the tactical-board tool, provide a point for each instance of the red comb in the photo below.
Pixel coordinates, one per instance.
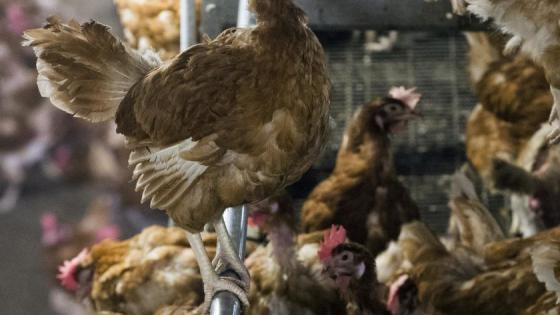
(257, 219)
(67, 272)
(407, 96)
(332, 238)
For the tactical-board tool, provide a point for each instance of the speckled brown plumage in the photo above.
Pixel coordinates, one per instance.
(514, 101)
(226, 122)
(153, 24)
(363, 193)
(535, 29)
(240, 116)
(286, 275)
(453, 285)
(142, 274)
(470, 224)
(363, 295)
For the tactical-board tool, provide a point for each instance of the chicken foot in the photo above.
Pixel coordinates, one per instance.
(213, 283)
(227, 255)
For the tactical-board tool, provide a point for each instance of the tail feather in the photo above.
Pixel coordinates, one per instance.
(83, 69)
(546, 262)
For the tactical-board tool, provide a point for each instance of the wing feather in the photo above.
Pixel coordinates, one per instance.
(163, 175)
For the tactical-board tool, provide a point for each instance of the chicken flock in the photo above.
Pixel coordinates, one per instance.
(235, 120)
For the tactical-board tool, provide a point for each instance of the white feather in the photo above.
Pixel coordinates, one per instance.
(162, 175)
(545, 259)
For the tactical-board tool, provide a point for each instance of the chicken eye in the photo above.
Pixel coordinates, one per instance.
(393, 107)
(345, 257)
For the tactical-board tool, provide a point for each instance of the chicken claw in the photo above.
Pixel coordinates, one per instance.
(227, 257)
(213, 283)
(211, 288)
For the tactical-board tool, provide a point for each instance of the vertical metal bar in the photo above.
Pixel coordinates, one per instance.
(225, 303)
(188, 24)
(243, 14)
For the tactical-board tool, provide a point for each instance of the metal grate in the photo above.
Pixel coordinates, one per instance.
(432, 148)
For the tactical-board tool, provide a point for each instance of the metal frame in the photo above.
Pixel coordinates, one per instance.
(433, 15)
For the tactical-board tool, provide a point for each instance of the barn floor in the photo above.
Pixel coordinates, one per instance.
(24, 286)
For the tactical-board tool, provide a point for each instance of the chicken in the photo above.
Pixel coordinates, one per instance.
(363, 193)
(185, 308)
(62, 241)
(514, 101)
(352, 267)
(152, 24)
(535, 30)
(471, 223)
(137, 276)
(545, 257)
(471, 228)
(534, 179)
(200, 136)
(516, 248)
(286, 277)
(25, 130)
(451, 285)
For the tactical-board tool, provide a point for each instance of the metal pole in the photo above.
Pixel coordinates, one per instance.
(225, 303)
(243, 14)
(188, 24)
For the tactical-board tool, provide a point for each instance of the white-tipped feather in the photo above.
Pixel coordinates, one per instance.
(83, 69)
(389, 262)
(546, 257)
(162, 175)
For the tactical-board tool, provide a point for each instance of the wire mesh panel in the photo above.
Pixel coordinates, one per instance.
(432, 148)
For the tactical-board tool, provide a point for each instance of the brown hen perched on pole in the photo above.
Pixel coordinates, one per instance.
(226, 122)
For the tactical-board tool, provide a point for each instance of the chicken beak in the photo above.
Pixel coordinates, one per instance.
(409, 115)
(416, 114)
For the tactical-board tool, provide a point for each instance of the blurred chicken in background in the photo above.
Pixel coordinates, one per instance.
(32, 133)
(505, 132)
(533, 29)
(25, 126)
(62, 241)
(153, 24)
(480, 272)
(286, 275)
(363, 193)
(119, 276)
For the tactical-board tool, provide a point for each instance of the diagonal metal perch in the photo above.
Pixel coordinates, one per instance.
(225, 303)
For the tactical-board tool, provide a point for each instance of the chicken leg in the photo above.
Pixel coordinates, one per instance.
(227, 255)
(213, 283)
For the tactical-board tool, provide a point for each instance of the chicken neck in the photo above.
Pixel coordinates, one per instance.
(281, 238)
